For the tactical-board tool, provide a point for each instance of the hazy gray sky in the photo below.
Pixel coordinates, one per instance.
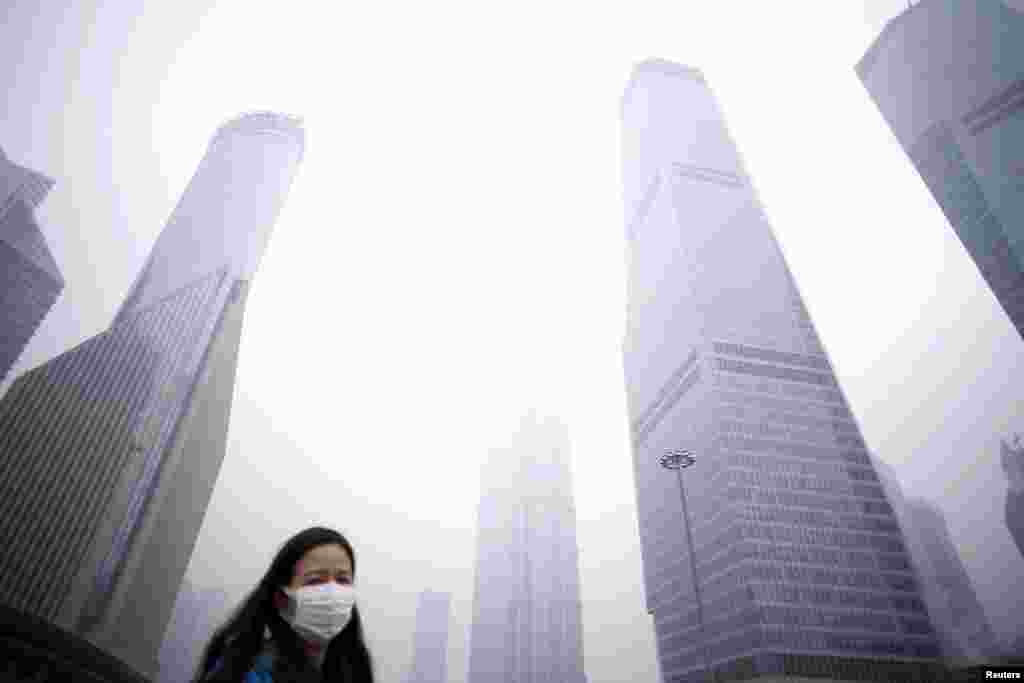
(453, 253)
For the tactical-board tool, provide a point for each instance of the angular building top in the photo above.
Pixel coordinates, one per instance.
(18, 182)
(660, 67)
(220, 221)
(264, 123)
(22, 190)
(30, 280)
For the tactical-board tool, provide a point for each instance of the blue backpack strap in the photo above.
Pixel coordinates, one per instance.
(258, 676)
(261, 669)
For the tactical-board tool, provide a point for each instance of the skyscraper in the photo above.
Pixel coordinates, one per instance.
(527, 615)
(430, 644)
(948, 76)
(30, 280)
(109, 453)
(1012, 458)
(959, 619)
(801, 567)
(197, 614)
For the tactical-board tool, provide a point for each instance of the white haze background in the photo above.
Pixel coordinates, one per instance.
(452, 254)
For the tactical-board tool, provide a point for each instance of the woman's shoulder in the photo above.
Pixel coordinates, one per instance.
(259, 672)
(261, 669)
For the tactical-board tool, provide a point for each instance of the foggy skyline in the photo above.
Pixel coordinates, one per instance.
(455, 236)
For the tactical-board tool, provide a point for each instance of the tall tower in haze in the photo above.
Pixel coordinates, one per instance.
(957, 614)
(527, 614)
(30, 280)
(430, 645)
(801, 567)
(109, 452)
(1012, 458)
(948, 76)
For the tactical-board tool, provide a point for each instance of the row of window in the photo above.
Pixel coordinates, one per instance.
(780, 389)
(704, 533)
(724, 541)
(789, 432)
(827, 395)
(816, 576)
(818, 537)
(857, 457)
(844, 668)
(831, 425)
(848, 620)
(775, 372)
(783, 465)
(837, 597)
(815, 640)
(794, 483)
(773, 403)
(750, 494)
(852, 559)
(771, 355)
(798, 555)
(816, 518)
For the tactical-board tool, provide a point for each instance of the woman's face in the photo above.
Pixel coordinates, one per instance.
(320, 565)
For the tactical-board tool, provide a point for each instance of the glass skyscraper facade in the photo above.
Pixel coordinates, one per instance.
(1012, 460)
(527, 615)
(430, 643)
(801, 566)
(948, 76)
(197, 613)
(957, 614)
(30, 280)
(109, 452)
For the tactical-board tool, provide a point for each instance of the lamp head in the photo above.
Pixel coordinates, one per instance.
(677, 459)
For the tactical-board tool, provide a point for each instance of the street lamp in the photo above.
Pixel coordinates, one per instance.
(679, 460)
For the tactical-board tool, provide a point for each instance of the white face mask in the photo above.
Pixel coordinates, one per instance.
(318, 613)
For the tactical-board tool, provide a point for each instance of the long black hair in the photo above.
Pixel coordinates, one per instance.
(235, 645)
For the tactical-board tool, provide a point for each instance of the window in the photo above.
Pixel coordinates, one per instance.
(772, 355)
(775, 372)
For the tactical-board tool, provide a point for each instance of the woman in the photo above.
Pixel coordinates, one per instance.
(299, 624)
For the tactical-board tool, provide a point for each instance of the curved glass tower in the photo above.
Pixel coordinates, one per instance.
(30, 280)
(109, 452)
(948, 76)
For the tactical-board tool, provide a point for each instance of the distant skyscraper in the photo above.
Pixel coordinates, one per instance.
(430, 645)
(1013, 464)
(948, 76)
(527, 613)
(30, 281)
(802, 567)
(197, 614)
(109, 453)
(960, 621)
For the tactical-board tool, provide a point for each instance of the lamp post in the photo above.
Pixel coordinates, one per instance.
(679, 460)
